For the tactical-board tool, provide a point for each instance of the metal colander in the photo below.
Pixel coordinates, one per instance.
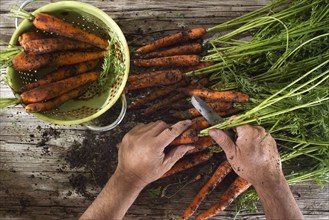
(90, 105)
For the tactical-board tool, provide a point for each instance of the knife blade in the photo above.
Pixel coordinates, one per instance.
(210, 115)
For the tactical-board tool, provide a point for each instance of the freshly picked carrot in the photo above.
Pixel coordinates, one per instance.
(227, 96)
(28, 61)
(55, 102)
(187, 137)
(164, 103)
(189, 162)
(235, 189)
(187, 49)
(49, 91)
(157, 78)
(177, 60)
(143, 99)
(223, 169)
(199, 123)
(48, 45)
(201, 144)
(63, 28)
(61, 73)
(31, 35)
(172, 39)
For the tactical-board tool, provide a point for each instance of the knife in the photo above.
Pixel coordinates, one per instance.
(210, 115)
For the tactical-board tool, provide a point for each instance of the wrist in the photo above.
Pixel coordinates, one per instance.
(128, 181)
(270, 182)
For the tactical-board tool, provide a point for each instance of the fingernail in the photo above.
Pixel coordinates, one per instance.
(187, 122)
(213, 132)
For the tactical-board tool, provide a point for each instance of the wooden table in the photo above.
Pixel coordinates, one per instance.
(38, 182)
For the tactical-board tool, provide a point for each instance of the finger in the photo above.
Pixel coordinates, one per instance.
(224, 141)
(158, 127)
(169, 134)
(175, 154)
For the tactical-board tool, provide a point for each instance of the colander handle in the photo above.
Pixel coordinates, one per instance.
(25, 3)
(116, 122)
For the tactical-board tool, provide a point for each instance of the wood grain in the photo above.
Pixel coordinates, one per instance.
(34, 176)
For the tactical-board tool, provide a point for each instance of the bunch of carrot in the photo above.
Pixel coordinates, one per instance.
(74, 53)
(170, 87)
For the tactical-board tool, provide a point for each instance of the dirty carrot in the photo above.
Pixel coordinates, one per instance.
(199, 66)
(170, 61)
(158, 78)
(187, 137)
(199, 123)
(187, 49)
(235, 189)
(32, 35)
(61, 73)
(223, 169)
(28, 61)
(143, 99)
(49, 91)
(202, 143)
(189, 162)
(172, 39)
(193, 112)
(164, 103)
(154, 74)
(63, 28)
(48, 45)
(55, 102)
(228, 96)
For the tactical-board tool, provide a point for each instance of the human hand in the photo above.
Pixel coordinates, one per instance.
(254, 156)
(141, 157)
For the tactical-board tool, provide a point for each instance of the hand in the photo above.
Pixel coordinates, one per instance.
(141, 158)
(254, 156)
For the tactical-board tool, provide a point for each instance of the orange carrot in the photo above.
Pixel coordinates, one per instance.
(235, 189)
(137, 77)
(173, 39)
(28, 61)
(178, 60)
(186, 49)
(223, 169)
(202, 143)
(55, 102)
(199, 66)
(187, 137)
(228, 96)
(157, 78)
(63, 28)
(142, 99)
(200, 123)
(62, 73)
(189, 162)
(28, 36)
(163, 103)
(193, 112)
(49, 91)
(47, 45)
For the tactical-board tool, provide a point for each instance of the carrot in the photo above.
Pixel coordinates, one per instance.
(142, 99)
(189, 162)
(235, 189)
(49, 91)
(223, 169)
(202, 143)
(172, 39)
(193, 112)
(137, 77)
(186, 49)
(40, 46)
(178, 60)
(62, 73)
(163, 103)
(228, 96)
(162, 77)
(200, 123)
(28, 61)
(187, 137)
(53, 24)
(55, 102)
(28, 36)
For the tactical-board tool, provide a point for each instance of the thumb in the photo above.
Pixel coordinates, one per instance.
(175, 154)
(223, 140)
